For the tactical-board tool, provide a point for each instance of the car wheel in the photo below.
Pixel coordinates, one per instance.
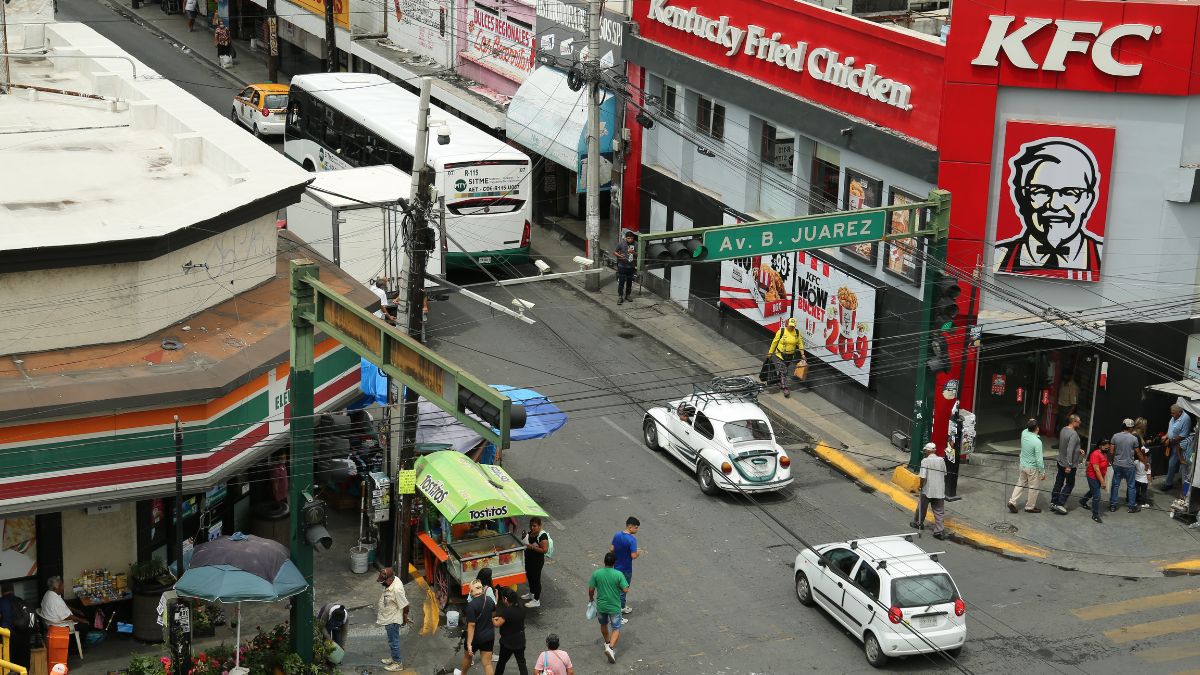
(257, 131)
(308, 166)
(234, 116)
(874, 652)
(705, 477)
(650, 433)
(804, 590)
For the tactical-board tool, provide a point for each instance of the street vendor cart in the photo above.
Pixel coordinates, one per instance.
(468, 522)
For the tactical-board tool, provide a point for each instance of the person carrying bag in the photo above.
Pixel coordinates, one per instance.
(788, 348)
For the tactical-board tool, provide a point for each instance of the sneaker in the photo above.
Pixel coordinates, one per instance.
(1083, 502)
(1012, 508)
(495, 657)
(533, 604)
(1097, 519)
(610, 653)
(394, 667)
(1135, 508)
(914, 524)
(1033, 510)
(624, 622)
(787, 394)
(386, 661)
(1194, 526)
(1112, 508)
(940, 535)
(527, 596)
(1144, 506)
(1059, 509)
(620, 300)
(627, 609)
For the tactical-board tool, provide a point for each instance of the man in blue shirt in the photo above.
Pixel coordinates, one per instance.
(625, 548)
(1178, 430)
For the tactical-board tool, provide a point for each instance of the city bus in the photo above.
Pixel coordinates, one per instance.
(344, 120)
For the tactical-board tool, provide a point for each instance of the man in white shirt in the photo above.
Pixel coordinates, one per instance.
(379, 288)
(392, 613)
(933, 492)
(54, 609)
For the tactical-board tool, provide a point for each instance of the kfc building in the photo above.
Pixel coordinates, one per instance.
(1067, 132)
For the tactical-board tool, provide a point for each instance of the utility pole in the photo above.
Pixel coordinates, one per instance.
(417, 244)
(952, 469)
(272, 42)
(177, 514)
(4, 46)
(592, 72)
(330, 40)
(303, 342)
(921, 419)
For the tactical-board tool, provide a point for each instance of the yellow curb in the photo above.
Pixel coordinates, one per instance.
(433, 614)
(906, 480)
(904, 500)
(1182, 567)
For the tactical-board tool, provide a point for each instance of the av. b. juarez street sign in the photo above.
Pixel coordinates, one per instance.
(827, 231)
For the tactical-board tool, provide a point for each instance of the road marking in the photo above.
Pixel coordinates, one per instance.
(1142, 631)
(1164, 654)
(432, 612)
(1111, 609)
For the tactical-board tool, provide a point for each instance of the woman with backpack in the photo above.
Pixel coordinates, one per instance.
(536, 550)
(788, 345)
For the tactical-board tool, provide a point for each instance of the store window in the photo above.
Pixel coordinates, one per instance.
(670, 100)
(778, 147)
(826, 167)
(710, 118)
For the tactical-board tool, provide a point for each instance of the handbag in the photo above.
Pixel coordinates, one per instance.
(801, 370)
(590, 613)
(765, 371)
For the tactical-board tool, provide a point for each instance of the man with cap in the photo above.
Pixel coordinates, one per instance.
(933, 492)
(788, 345)
(1125, 444)
(391, 613)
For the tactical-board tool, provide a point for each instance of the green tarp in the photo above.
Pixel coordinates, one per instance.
(464, 492)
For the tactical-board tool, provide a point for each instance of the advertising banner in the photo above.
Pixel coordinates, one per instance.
(862, 192)
(18, 553)
(341, 10)
(422, 26)
(562, 32)
(834, 311)
(1053, 200)
(499, 44)
(900, 256)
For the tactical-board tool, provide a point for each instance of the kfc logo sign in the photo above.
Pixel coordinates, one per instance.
(1001, 37)
(1052, 224)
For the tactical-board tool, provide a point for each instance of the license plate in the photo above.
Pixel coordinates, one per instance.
(928, 622)
(484, 259)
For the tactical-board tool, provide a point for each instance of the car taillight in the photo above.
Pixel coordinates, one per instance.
(266, 113)
(895, 615)
(785, 461)
(525, 236)
(960, 607)
(726, 468)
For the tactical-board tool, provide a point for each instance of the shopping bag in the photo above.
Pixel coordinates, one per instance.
(591, 611)
(801, 370)
(765, 371)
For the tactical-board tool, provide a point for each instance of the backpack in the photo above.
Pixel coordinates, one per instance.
(549, 545)
(22, 618)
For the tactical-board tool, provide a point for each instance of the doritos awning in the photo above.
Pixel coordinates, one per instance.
(464, 492)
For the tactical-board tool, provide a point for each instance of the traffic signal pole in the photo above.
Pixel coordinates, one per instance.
(300, 468)
(935, 261)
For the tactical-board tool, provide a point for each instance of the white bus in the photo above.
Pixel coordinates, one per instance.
(344, 120)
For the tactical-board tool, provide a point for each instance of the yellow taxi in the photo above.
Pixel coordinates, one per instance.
(261, 108)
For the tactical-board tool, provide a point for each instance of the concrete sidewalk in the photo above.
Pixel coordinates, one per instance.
(1145, 544)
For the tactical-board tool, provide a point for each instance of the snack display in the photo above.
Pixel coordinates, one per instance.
(99, 585)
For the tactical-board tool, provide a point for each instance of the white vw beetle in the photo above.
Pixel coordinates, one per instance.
(723, 435)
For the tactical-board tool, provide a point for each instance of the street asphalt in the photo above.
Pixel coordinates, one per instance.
(713, 590)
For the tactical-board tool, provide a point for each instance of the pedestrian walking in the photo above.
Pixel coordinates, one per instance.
(625, 549)
(191, 7)
(481, 634)
(1097, 469)
(933, 492)
(223, 42)
(510, 620)
(1032, 469)
(626, 254)
(788, 345)
(1142, 476)
(1124, 445)
(536, 548)
(1070, 453)
(553, 661)
(1178, 430)
(607, 588)
(391, 613)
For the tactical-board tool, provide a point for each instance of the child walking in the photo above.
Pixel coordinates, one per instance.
(1142, 476)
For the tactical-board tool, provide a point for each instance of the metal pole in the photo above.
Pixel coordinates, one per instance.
(272, 42)
(4, 46)
(592, 69)
(952, 470)
(301, 467)
(177, 515)
(330, 39)
(937, 256)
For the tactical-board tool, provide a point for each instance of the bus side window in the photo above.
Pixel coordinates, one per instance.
(333, 129)
(315, 119)
(295, 117)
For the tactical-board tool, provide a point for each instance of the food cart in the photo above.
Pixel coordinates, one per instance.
(468, 522)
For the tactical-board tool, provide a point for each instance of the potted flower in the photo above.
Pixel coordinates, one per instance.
(150, 579)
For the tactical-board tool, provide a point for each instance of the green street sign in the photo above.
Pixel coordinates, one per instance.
(795, 234)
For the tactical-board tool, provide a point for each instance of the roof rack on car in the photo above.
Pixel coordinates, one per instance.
(932, 556)
(906, 536)
(741, 387)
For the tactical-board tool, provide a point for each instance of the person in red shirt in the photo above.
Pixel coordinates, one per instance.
(1097, 468)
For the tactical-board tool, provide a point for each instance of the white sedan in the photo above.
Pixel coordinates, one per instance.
(724, 437)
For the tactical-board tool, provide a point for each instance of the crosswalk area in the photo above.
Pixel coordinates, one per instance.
(1159, 629)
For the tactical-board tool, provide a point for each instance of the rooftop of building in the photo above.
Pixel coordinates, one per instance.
(109, 151)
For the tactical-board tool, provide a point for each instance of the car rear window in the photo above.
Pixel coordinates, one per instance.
(923, 590)
(747, 430)
(276, 101)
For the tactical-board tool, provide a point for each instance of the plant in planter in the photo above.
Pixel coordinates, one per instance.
(150, 578)
(145, 665)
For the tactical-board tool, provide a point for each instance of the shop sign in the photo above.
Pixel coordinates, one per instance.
(998, 384)
(1054, 203)
(562, 32)
(422, 26)
(767, 44)
(498, 44)
(1003, 38)
(834, 311)
(341, 10)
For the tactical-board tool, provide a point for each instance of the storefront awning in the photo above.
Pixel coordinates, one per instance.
(1022, 324)
(551, 120)
(1188, 390)
(464, 491)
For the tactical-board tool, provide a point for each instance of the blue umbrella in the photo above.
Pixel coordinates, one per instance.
(542, 417)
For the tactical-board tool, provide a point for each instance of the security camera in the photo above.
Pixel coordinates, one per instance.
(542, 266)
(582, 261)
(522, 304)
(443, 135)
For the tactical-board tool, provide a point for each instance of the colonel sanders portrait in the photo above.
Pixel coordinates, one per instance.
(1053, 187)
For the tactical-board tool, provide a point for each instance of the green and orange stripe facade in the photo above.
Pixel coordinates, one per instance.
(83, 457)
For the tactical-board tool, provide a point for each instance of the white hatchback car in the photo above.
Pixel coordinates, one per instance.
(890, 593)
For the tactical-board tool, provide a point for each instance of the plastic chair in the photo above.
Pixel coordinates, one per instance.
(47, 623)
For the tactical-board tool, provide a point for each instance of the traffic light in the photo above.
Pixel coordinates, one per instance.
(945, 302)
(676, 250)
(313, 518)
(469, 401)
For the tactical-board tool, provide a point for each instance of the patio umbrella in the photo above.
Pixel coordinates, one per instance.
(542, 418)
(241, 568)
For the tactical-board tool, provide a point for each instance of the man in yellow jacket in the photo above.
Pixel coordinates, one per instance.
(788, 345)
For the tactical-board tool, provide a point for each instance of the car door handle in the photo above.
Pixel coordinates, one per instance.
(839, 584)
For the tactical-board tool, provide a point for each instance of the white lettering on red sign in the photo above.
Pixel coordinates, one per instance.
(822, 64)
(1012, 43)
